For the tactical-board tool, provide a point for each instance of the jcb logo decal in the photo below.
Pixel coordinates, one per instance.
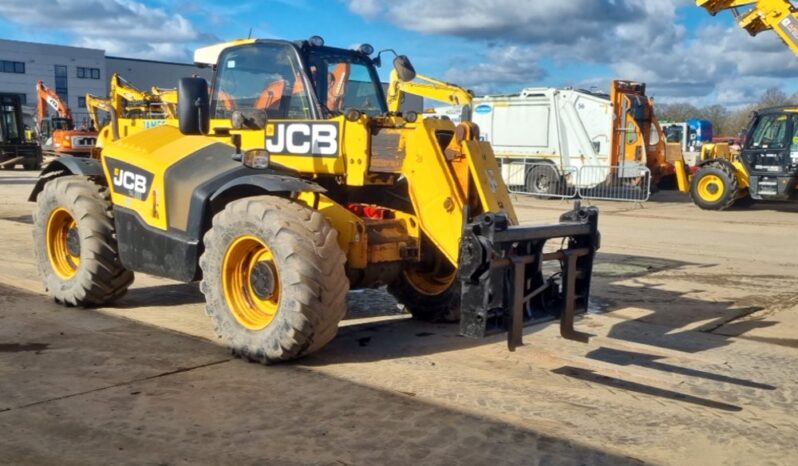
(313, 139)
(128, 180)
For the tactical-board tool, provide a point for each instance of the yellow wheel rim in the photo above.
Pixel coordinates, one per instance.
(63, 243)
(251, 283)
(711, 188)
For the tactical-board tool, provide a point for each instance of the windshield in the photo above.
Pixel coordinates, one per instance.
(62, 124)
(261, 76)
(770, 132)
(346, 80)
(674, 133)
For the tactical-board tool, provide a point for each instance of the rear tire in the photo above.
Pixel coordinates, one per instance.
(294, 307)
(714, 188)
(75, 243)
(542, 180)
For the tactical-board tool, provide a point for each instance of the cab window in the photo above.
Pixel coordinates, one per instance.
(265, 77)
(770, 132)
(345, 81)
(794, 140)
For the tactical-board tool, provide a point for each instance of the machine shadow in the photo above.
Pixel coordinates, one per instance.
(667, 318)
(376, 327)
(370, 414)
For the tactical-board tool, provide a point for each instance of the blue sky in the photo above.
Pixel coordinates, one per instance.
(489, 45)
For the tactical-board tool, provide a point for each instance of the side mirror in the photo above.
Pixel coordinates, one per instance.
(193, 106)
(377, 61)
(404, 68)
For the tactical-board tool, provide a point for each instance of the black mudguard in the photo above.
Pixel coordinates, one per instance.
(66, 166)
(175, 253)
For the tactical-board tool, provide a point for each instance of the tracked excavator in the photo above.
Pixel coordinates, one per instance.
(766, 169)
(57, 133)
(292, 181)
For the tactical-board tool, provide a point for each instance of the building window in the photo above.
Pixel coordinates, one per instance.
(61, 82)
(81, 102)
(12, 67)
(88, 73)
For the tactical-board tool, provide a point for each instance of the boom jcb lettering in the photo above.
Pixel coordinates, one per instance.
(313, 139)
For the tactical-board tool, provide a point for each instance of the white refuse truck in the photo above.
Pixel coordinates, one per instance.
(545, 136)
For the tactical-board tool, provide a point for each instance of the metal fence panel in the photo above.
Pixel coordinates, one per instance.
(625, 183)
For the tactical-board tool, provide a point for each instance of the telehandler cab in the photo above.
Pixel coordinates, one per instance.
(290, 183)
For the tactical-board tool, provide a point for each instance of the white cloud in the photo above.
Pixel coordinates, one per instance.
(124, 27)
(505, 65)
(640, 40)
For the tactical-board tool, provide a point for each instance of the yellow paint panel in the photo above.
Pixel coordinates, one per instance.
(351, 229)
(154, 151)
(493, 193)
(433, 189)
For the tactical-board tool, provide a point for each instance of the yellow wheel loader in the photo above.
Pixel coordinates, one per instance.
(292, 182)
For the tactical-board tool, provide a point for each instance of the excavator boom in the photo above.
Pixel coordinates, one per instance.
(428, 88)
(47, 97)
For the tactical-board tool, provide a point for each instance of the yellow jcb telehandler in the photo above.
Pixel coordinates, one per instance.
(292, 182)
(765, 168)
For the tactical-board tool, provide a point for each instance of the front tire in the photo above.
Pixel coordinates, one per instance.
(75, 243)
(714, 188)
(430, 291)
(273, 278)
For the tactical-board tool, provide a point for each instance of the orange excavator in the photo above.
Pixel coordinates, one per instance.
(57, 133)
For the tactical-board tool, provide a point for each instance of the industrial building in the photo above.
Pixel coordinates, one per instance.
(75, 71)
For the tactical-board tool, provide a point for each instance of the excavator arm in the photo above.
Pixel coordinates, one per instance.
(122, 91)
(168, 98)
(429, 88)
(94, 103)
(756, 16)
(48, 98)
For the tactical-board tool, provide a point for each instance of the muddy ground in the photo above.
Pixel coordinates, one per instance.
(693, 361)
